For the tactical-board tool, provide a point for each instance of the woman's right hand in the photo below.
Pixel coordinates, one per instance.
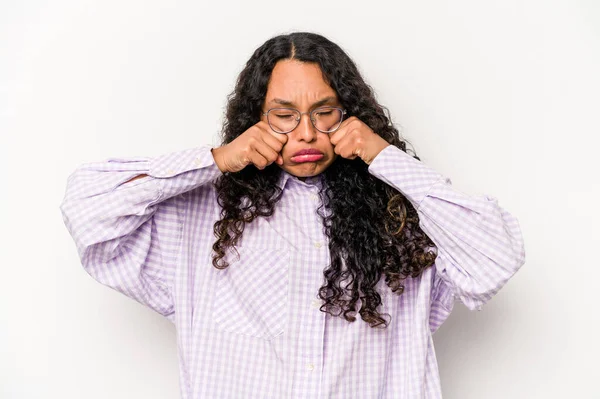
(258, 145)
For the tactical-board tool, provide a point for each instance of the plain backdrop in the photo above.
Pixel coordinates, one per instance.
(500, 96)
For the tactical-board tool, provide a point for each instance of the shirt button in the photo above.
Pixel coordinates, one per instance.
(314, 197)
(310, 367)
(318, 244)
(171, 171)
(197, 161)
(316, 303)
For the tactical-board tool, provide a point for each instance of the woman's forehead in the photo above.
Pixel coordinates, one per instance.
(293, 82)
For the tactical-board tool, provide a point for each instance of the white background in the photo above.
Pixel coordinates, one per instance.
(502, 97)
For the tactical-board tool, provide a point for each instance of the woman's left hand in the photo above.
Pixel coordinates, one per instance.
(355, 139)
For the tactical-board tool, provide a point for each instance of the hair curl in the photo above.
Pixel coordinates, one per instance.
(372, 228)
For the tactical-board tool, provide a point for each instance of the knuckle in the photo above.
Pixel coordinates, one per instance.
(263, 127)
(253, 133)
(252, 140)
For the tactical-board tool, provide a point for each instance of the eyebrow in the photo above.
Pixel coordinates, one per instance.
(288, 103)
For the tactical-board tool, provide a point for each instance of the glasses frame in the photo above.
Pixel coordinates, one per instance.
(311, 117)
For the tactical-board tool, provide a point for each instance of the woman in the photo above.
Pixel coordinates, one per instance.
(267, 250)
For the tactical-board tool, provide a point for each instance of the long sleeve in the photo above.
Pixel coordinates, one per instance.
(479, 244)
(128, 234)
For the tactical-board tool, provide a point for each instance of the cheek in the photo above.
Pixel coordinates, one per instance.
(327, 146)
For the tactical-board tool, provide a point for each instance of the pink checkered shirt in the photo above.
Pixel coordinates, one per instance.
(254, 330)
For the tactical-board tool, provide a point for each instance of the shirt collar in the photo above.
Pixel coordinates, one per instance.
(287, 178)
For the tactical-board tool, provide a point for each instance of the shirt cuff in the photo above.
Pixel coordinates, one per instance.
(177, 162)
(405, 173)
(180, 171)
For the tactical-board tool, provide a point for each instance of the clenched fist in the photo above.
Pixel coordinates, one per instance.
(259, 145)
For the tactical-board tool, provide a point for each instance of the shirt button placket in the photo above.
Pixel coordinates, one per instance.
(312, 355)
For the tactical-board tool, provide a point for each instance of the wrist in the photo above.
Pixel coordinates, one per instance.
(217, 154)
(377, 147)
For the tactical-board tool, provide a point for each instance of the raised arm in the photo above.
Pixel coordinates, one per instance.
(126, 218)
(479, 244)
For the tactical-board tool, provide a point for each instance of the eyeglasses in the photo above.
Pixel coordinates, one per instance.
(324, 119)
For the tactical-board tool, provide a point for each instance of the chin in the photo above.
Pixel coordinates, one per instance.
(304, 170)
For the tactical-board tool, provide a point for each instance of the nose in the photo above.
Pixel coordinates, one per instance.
(305, 131)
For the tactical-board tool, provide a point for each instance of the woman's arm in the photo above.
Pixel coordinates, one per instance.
(479, 244)
(126, 218)
(137, 177)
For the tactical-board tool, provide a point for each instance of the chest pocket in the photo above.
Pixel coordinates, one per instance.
(251, 294)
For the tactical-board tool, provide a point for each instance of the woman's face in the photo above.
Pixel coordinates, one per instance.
(294, 84)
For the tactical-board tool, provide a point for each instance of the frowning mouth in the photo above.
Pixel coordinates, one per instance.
(307, 158)
(307, 155)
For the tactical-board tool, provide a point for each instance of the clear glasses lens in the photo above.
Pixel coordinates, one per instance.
(283, 120)
(325, 119)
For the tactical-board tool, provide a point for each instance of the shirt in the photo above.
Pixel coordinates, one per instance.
(254, 329)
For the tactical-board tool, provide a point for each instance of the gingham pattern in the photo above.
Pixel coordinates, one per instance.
(254, 330)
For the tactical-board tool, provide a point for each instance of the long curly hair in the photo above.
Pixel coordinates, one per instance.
(372, 228)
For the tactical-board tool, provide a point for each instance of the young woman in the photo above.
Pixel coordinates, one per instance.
(307, 256)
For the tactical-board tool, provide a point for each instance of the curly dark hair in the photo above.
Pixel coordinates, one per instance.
(372, 228)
